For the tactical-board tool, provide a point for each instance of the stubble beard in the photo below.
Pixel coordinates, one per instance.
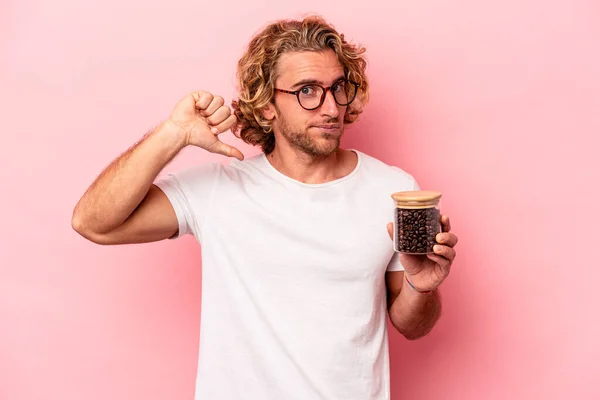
(302, 141)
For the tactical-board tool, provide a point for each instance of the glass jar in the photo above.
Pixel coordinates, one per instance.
(416, 221)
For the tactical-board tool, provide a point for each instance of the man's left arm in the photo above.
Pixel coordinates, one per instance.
(414, 301)
(412, 313)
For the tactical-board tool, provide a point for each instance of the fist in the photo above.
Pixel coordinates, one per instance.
(203, 117)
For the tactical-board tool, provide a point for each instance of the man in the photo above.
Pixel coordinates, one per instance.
(298, 270)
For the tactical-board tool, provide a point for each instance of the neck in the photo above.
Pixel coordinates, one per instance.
(311, 169)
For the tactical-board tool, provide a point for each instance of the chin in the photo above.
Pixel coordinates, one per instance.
(327, 148)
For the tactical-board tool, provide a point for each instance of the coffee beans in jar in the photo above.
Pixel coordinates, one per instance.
(416, 221)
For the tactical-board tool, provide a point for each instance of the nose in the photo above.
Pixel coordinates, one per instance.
(329, 106)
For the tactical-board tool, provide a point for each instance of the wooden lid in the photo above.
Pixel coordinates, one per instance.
(417, 198)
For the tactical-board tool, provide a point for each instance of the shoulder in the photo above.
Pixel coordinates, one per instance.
(385, 174)
(249, 168)
(196, 174)
(215, 171)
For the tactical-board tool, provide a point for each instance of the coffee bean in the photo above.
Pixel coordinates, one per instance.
(416, 229)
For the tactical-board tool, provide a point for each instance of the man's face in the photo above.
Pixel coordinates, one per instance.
(314, 132)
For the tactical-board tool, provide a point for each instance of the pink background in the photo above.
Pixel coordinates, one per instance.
(494, 103)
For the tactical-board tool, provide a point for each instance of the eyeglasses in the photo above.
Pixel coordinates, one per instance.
(312, 96)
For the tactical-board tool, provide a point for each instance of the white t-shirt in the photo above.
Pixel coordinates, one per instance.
(293, 278)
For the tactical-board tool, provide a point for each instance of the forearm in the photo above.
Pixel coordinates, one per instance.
(414, 314)
(121, 187)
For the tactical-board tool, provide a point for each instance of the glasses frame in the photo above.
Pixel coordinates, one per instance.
(325, 89)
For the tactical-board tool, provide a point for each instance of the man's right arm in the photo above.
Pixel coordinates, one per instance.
(122, 205)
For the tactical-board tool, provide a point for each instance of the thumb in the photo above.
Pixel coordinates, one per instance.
(390, 229)
(225, 149)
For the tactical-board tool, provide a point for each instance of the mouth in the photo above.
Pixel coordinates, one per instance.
(331, 128)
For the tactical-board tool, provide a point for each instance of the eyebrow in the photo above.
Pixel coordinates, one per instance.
(315, 82)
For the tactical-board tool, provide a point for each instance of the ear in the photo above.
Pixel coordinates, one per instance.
(269, 112)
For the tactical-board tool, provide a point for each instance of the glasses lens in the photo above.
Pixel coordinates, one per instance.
(310, 96)
(344, 92)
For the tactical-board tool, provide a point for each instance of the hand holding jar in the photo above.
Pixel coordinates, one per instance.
(421, 234)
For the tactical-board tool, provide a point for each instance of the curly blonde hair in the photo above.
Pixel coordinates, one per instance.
(257, 68)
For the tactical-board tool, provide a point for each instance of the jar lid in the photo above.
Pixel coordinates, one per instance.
(417, 198)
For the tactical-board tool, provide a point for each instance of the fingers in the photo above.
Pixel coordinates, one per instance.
(390, 229)
(445, 223)
(202, 99)
(447, 238)
(211, 107)
(216, 103)
(447, 252)
(219, 116)
(225, 125)
(215, 111)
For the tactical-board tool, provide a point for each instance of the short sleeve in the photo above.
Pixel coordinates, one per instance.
(190, 192)
(394, 264)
